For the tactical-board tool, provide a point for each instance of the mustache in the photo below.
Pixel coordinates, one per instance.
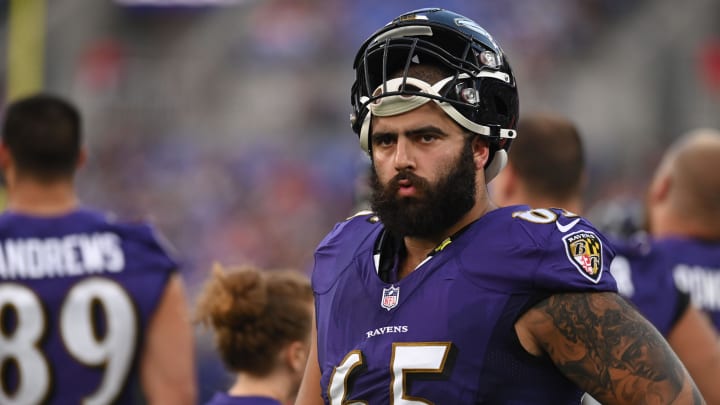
(418, 182)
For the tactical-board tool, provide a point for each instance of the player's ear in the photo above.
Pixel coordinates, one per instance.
(5, 156)
(481, 151)
(660, 189)
(82, 158)
(296, 356)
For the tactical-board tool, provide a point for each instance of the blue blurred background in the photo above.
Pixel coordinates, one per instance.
(226, 122)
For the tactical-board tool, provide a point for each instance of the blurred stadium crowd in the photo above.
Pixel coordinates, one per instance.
(226, 123)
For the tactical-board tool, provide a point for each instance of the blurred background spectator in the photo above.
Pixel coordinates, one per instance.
(226, 121)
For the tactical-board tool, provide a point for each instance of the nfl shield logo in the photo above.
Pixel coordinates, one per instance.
(390, 297)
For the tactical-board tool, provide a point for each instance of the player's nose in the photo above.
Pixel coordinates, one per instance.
(403, 158)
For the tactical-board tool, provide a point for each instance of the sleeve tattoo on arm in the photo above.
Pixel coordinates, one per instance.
(600, 342)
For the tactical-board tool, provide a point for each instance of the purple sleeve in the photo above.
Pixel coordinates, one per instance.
(575, 260)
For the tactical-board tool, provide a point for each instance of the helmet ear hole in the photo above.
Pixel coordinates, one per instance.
(500, 107)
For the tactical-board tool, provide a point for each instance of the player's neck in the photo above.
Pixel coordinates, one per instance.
(418, 249)
(274, 386)
(46, 199)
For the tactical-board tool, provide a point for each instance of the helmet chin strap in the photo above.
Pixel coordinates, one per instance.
(398, 104)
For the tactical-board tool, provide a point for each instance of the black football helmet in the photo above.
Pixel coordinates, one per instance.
(480, 92)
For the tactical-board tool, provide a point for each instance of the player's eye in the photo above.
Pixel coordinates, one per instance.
(383, 140)
(427, 138)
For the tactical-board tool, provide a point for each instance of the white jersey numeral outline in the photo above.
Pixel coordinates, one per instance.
(113, 351)
(406, 358)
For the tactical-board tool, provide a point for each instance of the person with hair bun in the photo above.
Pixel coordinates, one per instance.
(262, 322)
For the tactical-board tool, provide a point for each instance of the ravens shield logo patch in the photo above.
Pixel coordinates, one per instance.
(584, 249)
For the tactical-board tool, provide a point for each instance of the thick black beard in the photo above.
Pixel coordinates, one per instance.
(438, 207)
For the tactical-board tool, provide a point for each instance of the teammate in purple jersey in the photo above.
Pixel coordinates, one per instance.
(441, 297)
(92, 310)
(546, 168)
(262, 321)
(682, 210)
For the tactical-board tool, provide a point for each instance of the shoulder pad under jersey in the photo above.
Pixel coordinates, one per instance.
(337, 251)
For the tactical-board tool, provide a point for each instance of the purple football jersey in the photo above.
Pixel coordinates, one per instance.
(696, 269)
(76, 295)
(644, 275)
(445, 333)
